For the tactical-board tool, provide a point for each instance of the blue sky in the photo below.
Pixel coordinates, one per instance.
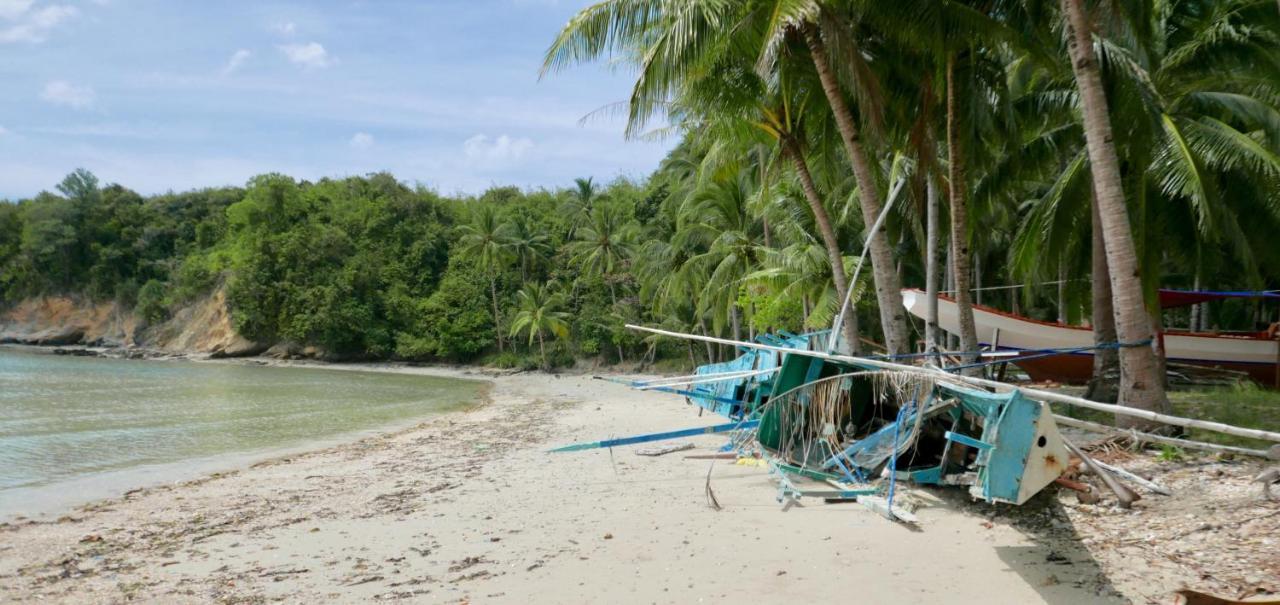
(167, 94)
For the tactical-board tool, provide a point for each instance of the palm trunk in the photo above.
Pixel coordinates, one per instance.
(735, 321)
(932, 334)
(1105, 361)
(1194, 324)
(711, 351)
(977, 279)
(1062, 291)
(959, 225)
(1141, 385)
(613, 296)
(542, 349)
(792, 150)
(949, 285)
(893, 317)
(497, 319)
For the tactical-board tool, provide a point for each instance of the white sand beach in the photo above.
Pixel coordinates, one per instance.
(469, 507)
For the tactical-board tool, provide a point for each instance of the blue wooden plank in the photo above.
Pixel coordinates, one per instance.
(967, 440)
(1012, 434)
(706, 430)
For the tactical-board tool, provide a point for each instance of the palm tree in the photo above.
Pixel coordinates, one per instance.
(716, 219)
(813, 22)
(581, 199)
(529, 242)
(1142, 382)
(486, 240)
(539, 313)
(683, 51)
(603, 247)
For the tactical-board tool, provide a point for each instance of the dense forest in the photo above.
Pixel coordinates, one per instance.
(1050, 161)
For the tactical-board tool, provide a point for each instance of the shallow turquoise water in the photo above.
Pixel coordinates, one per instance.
(68, 418)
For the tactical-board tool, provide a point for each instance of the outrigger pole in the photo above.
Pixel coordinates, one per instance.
(706, 430)
(941, 375)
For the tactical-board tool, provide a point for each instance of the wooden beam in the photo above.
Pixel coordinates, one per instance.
(1192, 445)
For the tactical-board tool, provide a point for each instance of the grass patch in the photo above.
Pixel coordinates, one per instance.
(1244, 404)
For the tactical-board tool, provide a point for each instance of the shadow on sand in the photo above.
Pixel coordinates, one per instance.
(1056, 565)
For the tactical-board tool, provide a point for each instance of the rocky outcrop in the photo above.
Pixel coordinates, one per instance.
(59, 320)
(204, 327)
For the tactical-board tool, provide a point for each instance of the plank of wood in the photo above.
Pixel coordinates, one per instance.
(664, 449)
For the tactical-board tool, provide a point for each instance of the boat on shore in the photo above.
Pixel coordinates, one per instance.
(1254, 353)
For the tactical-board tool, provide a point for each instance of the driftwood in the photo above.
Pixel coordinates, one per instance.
(665, 449)
(1150, 485)
(1124, 495)
(940, 375)
(1273, 453)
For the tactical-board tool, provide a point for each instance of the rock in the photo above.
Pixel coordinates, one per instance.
(65, 335)
(239, 347)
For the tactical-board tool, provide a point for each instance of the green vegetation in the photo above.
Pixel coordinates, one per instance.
(799, 122)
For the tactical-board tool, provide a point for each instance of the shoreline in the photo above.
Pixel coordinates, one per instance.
(467, 506)
(63, 497)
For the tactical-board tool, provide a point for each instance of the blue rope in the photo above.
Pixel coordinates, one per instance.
(1103, 346)
(893, 455)
(1051, 353)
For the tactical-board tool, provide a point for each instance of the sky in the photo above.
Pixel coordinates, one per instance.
(162, 95)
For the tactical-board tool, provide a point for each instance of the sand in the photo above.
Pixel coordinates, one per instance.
(469, 507)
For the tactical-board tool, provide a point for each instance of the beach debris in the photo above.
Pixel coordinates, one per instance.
(716, 456)
(711, 495)
(1194, 597)
(664, 449)
(1142, 481)
(1125, 496)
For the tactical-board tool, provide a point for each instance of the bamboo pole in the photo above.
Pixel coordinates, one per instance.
(706, 378)
(936, 374)
(1274, 453)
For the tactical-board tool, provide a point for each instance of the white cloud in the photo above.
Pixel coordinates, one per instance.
(288, 28)
(3, 131)
(31, 26)
(12, 9)
(310, 55)
(62, 92)
(361, 140)
(497, 150)
(237, 59)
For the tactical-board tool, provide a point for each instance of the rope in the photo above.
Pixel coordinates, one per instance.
(1051, 353)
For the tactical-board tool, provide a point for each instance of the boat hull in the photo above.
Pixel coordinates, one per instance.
(1255, 356)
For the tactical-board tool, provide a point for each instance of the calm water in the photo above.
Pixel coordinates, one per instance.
(75, 428)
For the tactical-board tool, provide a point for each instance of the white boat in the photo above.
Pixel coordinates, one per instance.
(1253, 352)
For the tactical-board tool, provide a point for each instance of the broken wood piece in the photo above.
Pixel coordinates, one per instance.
(880, 504)
(1073, 485)
(718, 456)
(664, 449)
(1150, 485)
(1125, 496)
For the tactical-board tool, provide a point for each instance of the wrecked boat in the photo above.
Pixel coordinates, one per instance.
(854, 422)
